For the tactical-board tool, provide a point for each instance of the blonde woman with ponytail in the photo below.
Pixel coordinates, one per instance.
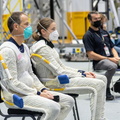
(46, 32)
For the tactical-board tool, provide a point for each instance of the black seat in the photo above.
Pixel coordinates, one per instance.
(75, 107)
(21, 113)
(0, 95)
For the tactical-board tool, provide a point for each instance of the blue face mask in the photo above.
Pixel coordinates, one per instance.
(27, 32)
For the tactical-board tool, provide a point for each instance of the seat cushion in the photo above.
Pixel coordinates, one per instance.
(0, 95)
(22, 111)
(73, 95)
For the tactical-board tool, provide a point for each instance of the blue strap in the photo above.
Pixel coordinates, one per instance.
(18, 101)
(63, 79)
(82, 72)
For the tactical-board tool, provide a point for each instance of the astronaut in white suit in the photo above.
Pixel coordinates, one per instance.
(45, 33)
(24, 82)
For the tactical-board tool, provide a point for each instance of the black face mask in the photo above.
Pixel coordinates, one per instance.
(97, 24)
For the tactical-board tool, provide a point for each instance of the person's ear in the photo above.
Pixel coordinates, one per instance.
(90, 21)
(15, 26)
(43, 31)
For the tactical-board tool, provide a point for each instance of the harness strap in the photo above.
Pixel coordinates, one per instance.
(45, 60)
(18, 101)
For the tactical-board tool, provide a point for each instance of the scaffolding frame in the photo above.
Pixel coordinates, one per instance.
(6, 5)
(1, 12)
(95, 7)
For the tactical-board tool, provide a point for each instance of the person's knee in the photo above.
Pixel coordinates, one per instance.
(113, 67)
(100, 85)
(52, 111)
(70, 101)
(104, 78)
(56, 108)
(67, 100)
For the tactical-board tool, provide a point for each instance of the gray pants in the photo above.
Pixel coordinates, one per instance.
(110, 68)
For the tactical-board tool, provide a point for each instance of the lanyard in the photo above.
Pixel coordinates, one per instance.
(103, 40)
(106, 49)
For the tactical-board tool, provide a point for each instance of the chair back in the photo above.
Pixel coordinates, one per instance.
(0, 95)
(1, 77)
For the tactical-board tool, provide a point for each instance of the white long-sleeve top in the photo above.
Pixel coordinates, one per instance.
(43, 69)
(24, 82)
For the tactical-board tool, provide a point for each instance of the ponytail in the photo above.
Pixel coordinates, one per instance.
(36, 36)
(44, 23)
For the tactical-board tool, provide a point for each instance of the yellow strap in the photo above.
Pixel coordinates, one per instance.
(36, 55)
(1, 58)
(9, 103)
(4, 66)
(39, 56)
(2, 62)
(57, 89)
(45, 60)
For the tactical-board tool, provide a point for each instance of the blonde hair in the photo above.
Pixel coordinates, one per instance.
(103, 21)
(103, 18)
(44, 23)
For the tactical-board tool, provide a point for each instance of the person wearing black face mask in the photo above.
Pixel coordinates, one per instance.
(101, 50)
(97, 24)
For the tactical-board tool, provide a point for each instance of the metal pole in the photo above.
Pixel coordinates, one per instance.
(117, 23)
(1, 13)
(5, 5)
(66, 25)
(62, 24)
(115, 13)
(107, 9)
(52, 9)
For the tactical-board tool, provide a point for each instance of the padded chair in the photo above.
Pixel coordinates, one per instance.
(16, 100)
(19, 113)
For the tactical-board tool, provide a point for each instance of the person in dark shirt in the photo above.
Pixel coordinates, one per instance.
(100, 49)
